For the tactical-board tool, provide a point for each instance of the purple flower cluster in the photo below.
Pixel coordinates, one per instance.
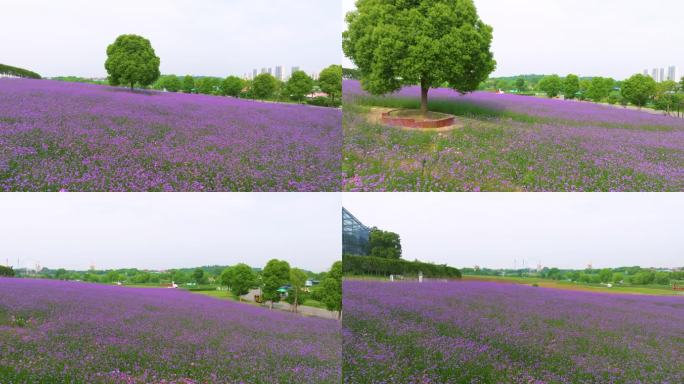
(68, 332)
(482, 332)
(513, 143)
(81, 137)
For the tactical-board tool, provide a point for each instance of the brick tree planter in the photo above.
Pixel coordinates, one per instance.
(440, 121)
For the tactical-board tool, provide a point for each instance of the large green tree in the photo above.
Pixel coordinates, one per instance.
(599, 88)
(331, 289)
(639, 89)
(264, 86)
(551, 85)
(239, 278)
(188, 84)
(6, 271)
(571, 85)
(330, 81)
(131, 61)
(232, 86)
(299, 85)
(384, 244)
(427, 42)
(298, 281)
(276, 273)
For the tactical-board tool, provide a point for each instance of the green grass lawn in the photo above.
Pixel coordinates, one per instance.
(661, 290)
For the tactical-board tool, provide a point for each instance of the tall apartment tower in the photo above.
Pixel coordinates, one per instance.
(279, 72)
(294, 69)
(661, 76)
(264, 70)
(254, 73)
(672, 73)
(646, 72)
(654, 74)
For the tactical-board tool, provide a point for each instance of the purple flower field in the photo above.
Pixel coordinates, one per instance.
(82, 137)
(483, 332)
(512, 143)
(68, 332)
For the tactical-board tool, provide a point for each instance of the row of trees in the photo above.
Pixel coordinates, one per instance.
(263, 86)
(623, 275)
(639, 90)
(6, 271)
(370, 265)
(241, 278)
(19, 72)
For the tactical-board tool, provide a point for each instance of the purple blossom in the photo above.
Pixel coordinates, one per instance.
(83, 137)
(516, 143)
(483, 332)
(69, 332)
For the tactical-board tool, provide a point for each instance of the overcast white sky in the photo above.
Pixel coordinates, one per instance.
(200, 37)
(167, 230)
(568, 230)
(615, 38)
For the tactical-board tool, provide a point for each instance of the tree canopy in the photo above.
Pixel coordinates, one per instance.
(571, 85)
(232, 86)
(239, 278)
(384, 244)
(331, 288)
(264, 86)
(639, 89)
(6, 271)
(426, 42)
(330, 81)
(131, 60)
(299, 85)
(276, 273)
(551, 85)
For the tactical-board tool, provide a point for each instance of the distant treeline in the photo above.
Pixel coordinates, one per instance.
(20, 72)
(199, 275)
(369, 265)
(623, 275)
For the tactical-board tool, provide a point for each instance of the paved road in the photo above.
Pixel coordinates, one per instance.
(302, 310)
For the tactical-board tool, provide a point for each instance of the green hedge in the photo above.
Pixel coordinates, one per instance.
(368, 265)
(14, 71)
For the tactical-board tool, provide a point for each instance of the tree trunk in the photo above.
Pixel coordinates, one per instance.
(295, 304)
(270, 304)
(424, 88)
(131, 87)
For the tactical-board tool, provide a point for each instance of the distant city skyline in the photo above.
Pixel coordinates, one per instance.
(609, 38)
(207, 38)
(499, 230)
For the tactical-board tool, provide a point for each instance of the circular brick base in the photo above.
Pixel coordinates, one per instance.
(408, 122)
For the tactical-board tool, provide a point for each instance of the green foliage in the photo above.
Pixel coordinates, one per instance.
(330, 81)
(571, 85)
(384, 244)
(426, 42)
(520, 84)
(353, 73)
(276, 273)
(600, 88)
(170, 83)
(188, 84)
(299, 85)
(639, 89)
(239, 278)
(264, 86)
(131, 61)
(6, 271)
(198, 275)
(298, 282)
(551, 85)
(20, 72)
(232, 86)
(369, 265)
(331, 288)
(208, 85)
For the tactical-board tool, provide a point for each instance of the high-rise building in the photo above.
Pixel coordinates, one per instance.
(279, 72)
(646, 72)
(270, 70)
(254, 73)
(294, 69)
(672, 73)
(654, 74)
(661, 75)
(264, 70)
